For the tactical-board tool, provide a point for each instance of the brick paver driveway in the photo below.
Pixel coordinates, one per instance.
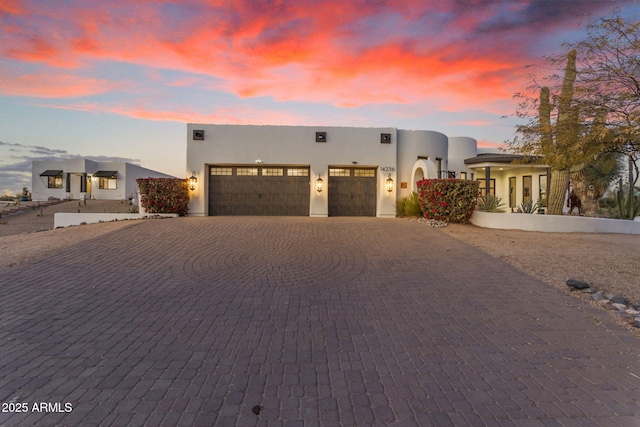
(197, 321)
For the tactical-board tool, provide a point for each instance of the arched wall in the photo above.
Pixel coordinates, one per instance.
(415, 146)
(422, 169)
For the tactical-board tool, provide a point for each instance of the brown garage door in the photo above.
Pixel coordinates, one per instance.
(259, 190)
(352, 191)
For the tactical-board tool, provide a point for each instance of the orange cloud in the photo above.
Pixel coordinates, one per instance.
(11, 7)
(490, 144)
(345, 53)
(231, 115)
(54, 85)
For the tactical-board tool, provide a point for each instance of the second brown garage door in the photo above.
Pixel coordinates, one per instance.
(352, 191)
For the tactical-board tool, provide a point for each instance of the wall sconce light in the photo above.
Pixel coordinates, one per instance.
(389, 183)
(319, 184)
(193, 181)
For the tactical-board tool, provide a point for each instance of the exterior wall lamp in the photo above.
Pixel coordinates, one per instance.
(193, 181)
(319, 184)
(389, 184)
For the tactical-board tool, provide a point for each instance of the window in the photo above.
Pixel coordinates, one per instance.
(221, 171)
(438, 166)
(54, 181)
(272, 172)
(542, 194)
(297, 172)
(339, 172)
(526, 189)
(247, 171)
(512, 192)
(463, 175)
(483, 186)
(364, 172)
(107, 183)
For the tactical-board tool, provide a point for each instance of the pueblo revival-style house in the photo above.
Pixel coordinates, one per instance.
(338, 171)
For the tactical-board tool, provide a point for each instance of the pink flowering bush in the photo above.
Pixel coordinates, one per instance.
(451, 200)
(164, 195)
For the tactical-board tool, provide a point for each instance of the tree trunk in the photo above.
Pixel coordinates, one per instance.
(557, 191)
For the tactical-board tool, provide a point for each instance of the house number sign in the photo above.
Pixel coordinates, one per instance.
(387, 169)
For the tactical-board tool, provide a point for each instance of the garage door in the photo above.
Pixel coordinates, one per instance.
(352, 192)
(262, 190)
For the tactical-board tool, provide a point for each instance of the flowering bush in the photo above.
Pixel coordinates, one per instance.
(451, 200)
(164, 195)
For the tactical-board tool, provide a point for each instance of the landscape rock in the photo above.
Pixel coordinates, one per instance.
(598, 296)
(621, 307)
(577, 284)
(619, 299)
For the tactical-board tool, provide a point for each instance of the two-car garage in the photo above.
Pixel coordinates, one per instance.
(286, 190)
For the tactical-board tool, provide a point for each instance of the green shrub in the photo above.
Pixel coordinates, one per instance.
(164, 195)
(451, 200)
(528, 207)
(607, 203)
(490, 203)
(409, 206)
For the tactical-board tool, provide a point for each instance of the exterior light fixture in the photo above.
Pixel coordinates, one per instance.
(193, 181)
(389, 184)
(319, 184)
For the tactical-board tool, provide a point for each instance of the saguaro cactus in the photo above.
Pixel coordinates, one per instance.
(559, 151)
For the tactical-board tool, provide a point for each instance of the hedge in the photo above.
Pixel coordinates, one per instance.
(451, 200)
(164, 195)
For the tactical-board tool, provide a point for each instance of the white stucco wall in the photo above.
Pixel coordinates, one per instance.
(293, 145)
(65, 219)
(415, 143)
(460, 148)
(554, 223)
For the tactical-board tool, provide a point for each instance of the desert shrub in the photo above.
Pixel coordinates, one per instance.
(490, 203)
(528, 207)
(409, 206)
(608, 203)
(451, 200)
(164, 195)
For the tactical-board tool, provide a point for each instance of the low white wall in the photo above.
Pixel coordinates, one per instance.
(554, 223)
(64, 219)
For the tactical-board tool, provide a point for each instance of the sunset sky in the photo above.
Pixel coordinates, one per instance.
(120, 79)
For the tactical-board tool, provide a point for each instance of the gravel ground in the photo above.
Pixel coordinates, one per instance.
(30, 235)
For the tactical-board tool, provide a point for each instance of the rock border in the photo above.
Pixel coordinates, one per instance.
(619, 305)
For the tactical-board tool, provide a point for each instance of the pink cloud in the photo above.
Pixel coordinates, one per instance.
(329, 52)
(10, 7)
(490, 144)
(231, 115)
(54, 85)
